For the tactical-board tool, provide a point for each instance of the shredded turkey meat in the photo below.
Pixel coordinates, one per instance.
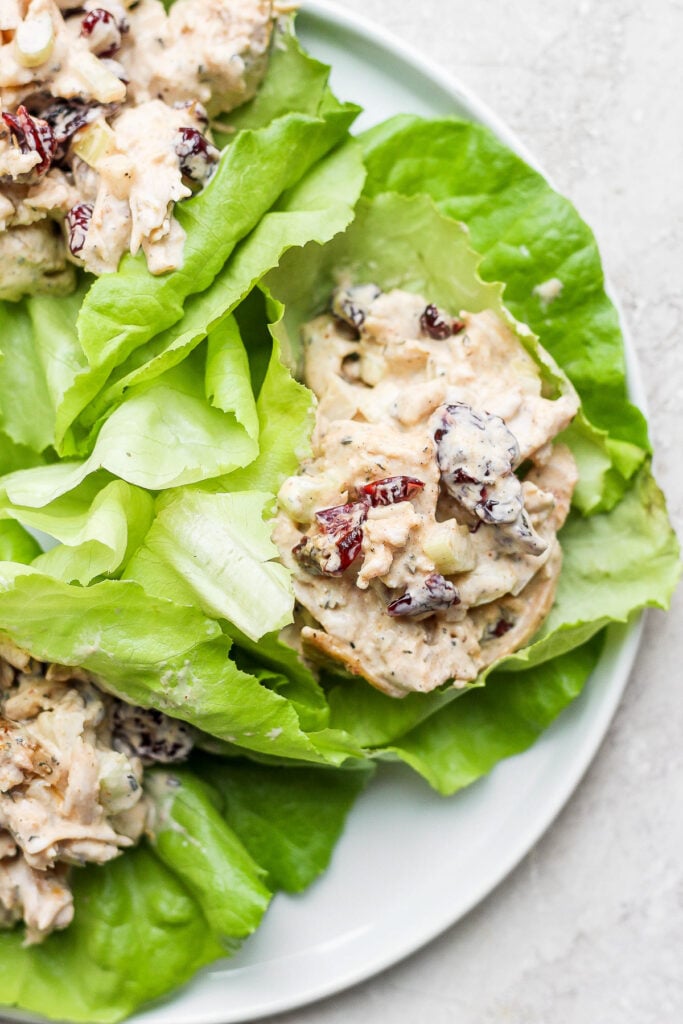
(71, 773)
(422, 532)
(104, 113)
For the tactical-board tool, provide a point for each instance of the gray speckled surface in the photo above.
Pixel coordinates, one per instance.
(590, 927)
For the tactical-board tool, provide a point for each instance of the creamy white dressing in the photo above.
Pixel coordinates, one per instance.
(458, 413)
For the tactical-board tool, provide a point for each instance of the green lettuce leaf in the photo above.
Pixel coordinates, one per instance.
(214, 551)
(464, 741)
(40, 358)
(157, 653)
(124, 310)
(16, 545)
(314, 210)
(288, 819)
(614, 564)
(137, 934)
(190, 837)
(286, 415)
(98, 524)
(165, 434)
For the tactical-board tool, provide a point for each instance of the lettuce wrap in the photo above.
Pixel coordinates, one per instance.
(167, 414)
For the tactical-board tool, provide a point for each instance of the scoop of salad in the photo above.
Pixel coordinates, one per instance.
(71, 772)
(105, 126)
(422, 532)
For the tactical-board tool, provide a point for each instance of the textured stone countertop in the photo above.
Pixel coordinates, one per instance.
(589, 928)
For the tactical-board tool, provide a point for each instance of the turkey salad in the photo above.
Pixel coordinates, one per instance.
(422, 420)
(105, 126)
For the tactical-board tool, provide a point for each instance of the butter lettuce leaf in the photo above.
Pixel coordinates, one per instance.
(137, 933)
(287, 819)
(124, 310)
(191, 837)
(315, 209)
(214, 551)
(98, 524)
(16, 545)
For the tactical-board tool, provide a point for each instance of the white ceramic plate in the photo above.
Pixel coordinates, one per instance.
(373, 907)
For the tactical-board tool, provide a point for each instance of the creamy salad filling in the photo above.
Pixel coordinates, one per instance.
(104, 126)
(422, 532)
(71, 783)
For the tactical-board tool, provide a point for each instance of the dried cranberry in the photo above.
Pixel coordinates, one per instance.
(435, 324)
(198, 157)
(350, 306)
(331, 551)
(392, 489)
(502, 627)
(341, 517)
(77, 222)
(434, 594)
(150, 734)
(106, 30)
(33, 135)
(66, 117)
(326, 556)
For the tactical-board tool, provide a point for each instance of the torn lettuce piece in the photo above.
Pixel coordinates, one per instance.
(214, 551)
(166, 434)
(190, 837)
(99, 524)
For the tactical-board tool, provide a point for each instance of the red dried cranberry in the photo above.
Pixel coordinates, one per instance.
(331, 552)
(391, 489)
(33, 135)
(66, 117)
(434, 594)
(435, 324)
(329, 556)
(105, 28)
(198, 157)
(502, 627)
(77, 222)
